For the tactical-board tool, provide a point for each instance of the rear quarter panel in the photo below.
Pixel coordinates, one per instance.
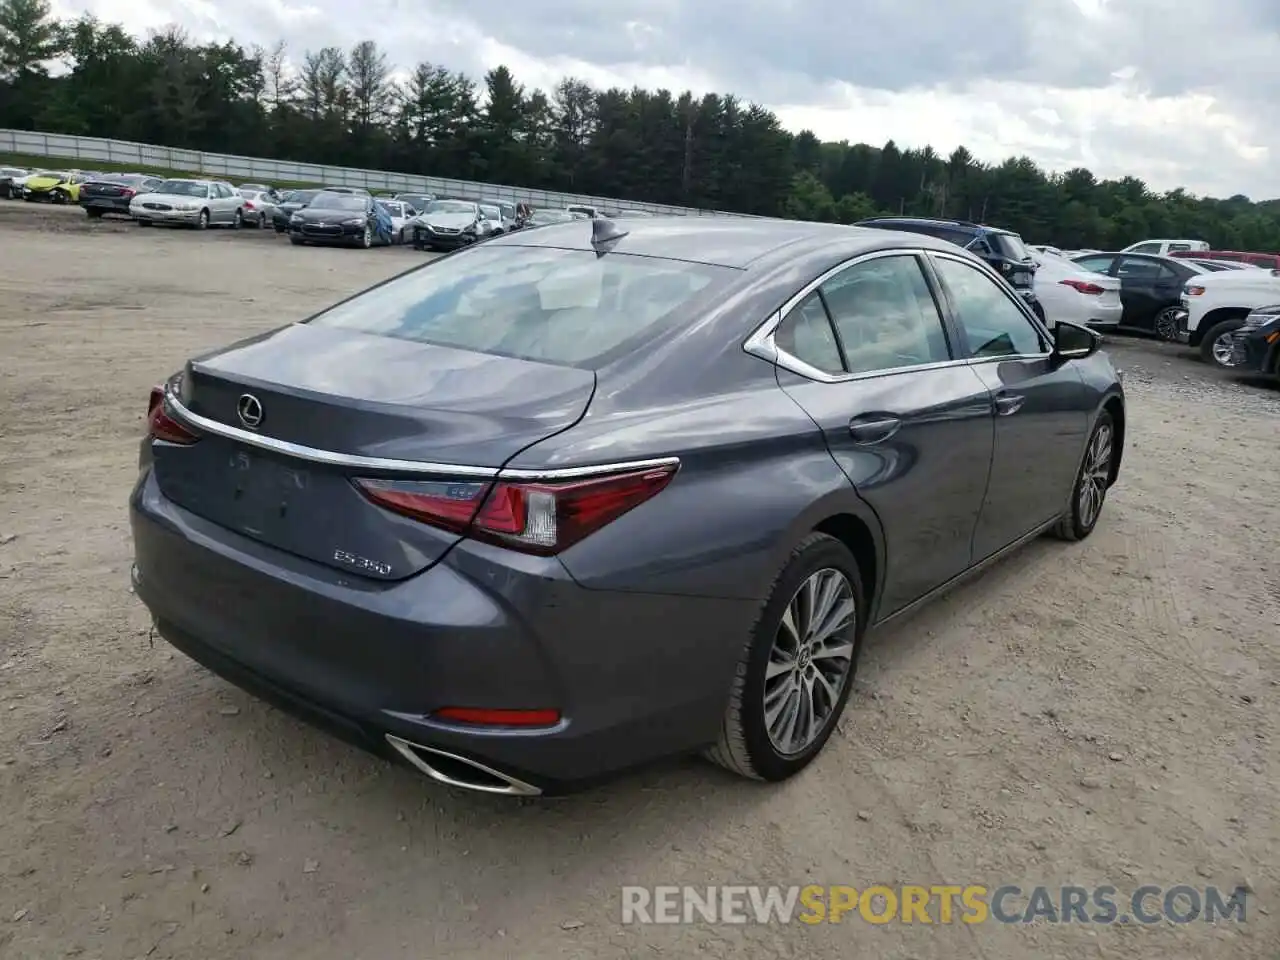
(755, 477)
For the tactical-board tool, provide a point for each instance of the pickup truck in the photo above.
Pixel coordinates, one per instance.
(1216, 306)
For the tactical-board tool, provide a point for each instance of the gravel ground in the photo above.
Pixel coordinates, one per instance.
(1104, 713)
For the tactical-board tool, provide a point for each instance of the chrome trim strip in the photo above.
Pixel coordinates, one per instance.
(315, 455)
(174, 407)
(593, 470)
(514, 788)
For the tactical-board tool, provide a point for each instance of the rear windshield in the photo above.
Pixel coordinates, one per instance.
(557, 306)
(1011, 246)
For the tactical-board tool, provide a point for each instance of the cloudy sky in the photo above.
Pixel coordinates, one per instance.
(1178, 92)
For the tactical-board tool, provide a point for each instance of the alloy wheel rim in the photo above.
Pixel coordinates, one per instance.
(1223, 349)
(1095, 477)
(809, 661)
(1166, 326)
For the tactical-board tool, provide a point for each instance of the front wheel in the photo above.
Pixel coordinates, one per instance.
(297, 241)
(202, 221)
(1218, 345)
(94, 214)
(1092, 482)
(797, 666)
(366, 239)
(59, 197)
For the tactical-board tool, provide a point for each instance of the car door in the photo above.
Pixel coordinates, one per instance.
(1042, 406)
(1146, 287)
(866, 353)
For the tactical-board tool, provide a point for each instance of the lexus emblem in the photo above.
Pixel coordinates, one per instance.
(249, 408)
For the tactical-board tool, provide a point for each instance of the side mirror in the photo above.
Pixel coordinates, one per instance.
(1074, 342)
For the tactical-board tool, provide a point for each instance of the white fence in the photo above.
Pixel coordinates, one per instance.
(87, 151)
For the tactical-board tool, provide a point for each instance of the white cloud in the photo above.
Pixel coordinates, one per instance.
(1096, 83)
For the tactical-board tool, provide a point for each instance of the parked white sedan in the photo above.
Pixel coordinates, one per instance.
(191, 203)
(1069, 292)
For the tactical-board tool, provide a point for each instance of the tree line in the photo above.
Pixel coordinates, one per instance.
(350, 107)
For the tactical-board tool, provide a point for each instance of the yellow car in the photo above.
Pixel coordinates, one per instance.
(56, 186)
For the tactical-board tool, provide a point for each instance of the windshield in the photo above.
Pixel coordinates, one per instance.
(337, 201)
(450, 206)
(490, 213)
(303, 196)
(183, 188)
(555, 306)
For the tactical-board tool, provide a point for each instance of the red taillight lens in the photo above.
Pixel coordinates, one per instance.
(248, 204)
(479, 716)
(163, 427)
(1083, 286)
(128, 192)
(540, 518)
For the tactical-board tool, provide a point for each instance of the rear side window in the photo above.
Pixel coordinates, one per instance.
(1151, 247)
(806, 334)
(557, 306)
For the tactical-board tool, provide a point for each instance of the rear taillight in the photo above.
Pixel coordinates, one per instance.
(160, 426)
(128, 192)
(248, 204)
(542, 518)
(1084, 286)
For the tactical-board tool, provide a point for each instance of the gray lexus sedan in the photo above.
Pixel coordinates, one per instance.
(584, 496)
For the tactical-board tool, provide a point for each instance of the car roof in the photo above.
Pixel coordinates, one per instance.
(724, 241)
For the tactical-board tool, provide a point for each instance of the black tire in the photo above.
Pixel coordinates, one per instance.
(59, 197)
(143, 223)
(202, 222)
(279, 229)
(1075, 524)
(1165, 324)
(238, 221)
(297, 241)
(1217, 331)
(744, 746)
(94, 214)
(366, 238)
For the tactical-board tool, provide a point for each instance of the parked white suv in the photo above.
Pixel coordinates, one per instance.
(1216, 305)
(1166, 247)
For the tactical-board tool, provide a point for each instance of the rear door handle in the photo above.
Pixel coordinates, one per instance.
(874, 429)
(1009, 403)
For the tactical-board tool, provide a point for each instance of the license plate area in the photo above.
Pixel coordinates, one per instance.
(266, 496)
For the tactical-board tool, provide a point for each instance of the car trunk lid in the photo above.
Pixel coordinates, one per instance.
(288, 420)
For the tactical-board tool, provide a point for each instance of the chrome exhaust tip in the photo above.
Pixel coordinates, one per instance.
(455, 771)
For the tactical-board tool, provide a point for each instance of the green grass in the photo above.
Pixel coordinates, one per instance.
(63, 163)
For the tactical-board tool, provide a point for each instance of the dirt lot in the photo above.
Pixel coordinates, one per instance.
(1104, 713)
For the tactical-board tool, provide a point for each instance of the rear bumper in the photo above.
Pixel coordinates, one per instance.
(106, 204)
(636, 677)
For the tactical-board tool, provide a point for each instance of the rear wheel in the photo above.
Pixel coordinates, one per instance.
(1217, 345)
(798, 665)
(144, 223)
(297, 241)
(94, 214)
(238, 221)
(1166, 324)
(1092, 482)
(202, 221)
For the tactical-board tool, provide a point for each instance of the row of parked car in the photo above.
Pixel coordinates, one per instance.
(321, 215)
